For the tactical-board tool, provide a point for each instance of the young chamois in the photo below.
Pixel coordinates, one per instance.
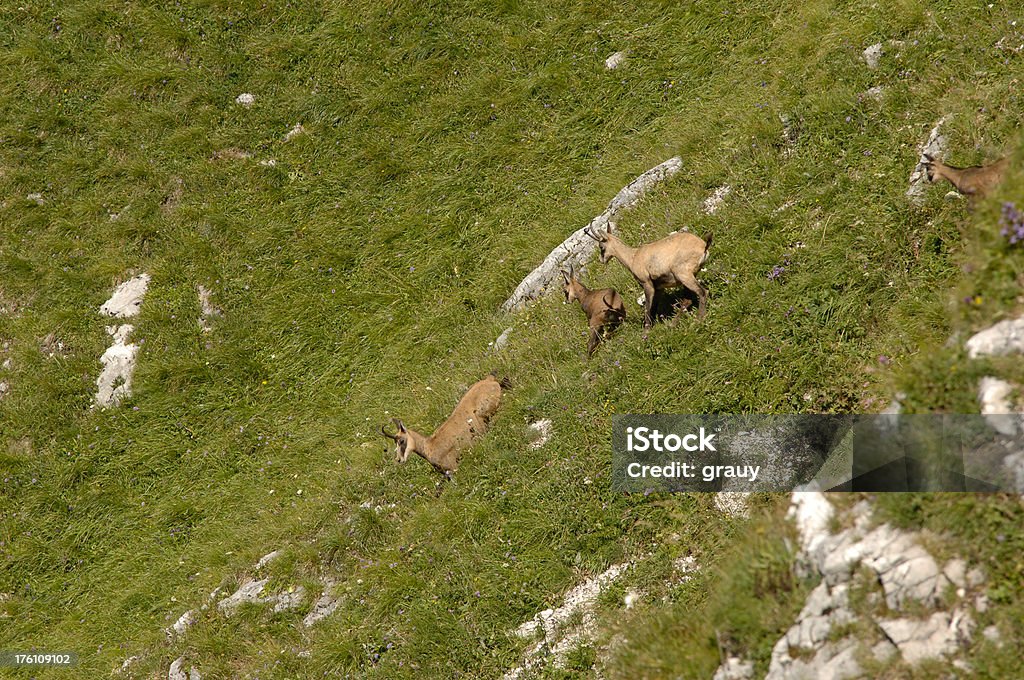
(467, 422)
(667, 263)
(975, 181)
(603, 307)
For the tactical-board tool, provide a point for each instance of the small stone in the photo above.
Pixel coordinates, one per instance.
(245, 99)
(267, 559)
(956, 571)
(614, 61)
(874, 93)
(735, 668)
(177, 670)
(541, 433)
(1002, 339)
(873, 55)
(182, 624)
(992, 634)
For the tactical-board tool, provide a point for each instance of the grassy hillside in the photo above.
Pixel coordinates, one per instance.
(360, 264)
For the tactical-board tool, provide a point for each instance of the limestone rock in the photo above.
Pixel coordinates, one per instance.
(735, 669)
(127, 298)
(324, 606)
(873, 55)
(1004, 338)
(614, 60)
(249, 592)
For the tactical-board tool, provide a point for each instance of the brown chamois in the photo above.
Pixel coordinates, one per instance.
(467, 422)
(603, 307)
(667, 263)
(975, 181)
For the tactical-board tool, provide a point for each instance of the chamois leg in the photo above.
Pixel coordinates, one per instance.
(595, 340)
(648, 305)
(691, 282)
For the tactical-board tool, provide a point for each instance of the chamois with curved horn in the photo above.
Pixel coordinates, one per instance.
(603, 307)
(467, 422)
(975, 181)
(670, 262)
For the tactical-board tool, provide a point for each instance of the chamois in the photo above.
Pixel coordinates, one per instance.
(667, 263)
(467, 422)
(603, 307)
(975, 181)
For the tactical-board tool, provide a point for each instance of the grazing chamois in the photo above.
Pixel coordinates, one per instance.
(975, 181)
(603, 307)
(467, 422)
(667, 263)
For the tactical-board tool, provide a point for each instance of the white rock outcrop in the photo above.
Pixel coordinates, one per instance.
(994, 397)
(127, 298)
(1002, 339)
(325, 605)
(935, 147)
(557, 638)
(713, 202)
(909, 577)
(115, 380)
(873, 55)
(251, 592)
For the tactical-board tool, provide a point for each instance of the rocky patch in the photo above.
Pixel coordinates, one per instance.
(556, 637)
(614, 60)
(1002, 339)
(904, 576)
(540, 433)
(115, 381)
(713, 202)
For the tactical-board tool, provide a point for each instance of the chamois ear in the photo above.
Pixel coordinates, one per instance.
(399, 424)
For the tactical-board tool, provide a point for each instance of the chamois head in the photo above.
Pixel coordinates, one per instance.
(929, 168)
(602, 241)
(569, 287)
(403, 444)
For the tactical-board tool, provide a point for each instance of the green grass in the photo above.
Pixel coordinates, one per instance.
(448, 148)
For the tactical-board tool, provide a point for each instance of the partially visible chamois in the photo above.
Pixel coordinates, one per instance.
(468, 421)
(974, 182)
(603, 307)
(667, 263)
